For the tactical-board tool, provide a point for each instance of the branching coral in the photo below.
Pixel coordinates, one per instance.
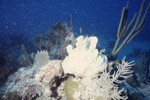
(126, 28)
(107, 82)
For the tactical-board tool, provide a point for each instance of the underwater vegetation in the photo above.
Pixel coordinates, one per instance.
(124, 27)
(69, 67)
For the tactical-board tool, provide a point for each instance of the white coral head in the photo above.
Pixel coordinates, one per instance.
(41, 58)
(84, 59)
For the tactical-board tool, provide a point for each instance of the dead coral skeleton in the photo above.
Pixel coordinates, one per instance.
(36, 81)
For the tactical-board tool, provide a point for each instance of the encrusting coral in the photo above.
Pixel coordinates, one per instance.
(34, 81)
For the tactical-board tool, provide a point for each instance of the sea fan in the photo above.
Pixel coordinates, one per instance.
(108, 83)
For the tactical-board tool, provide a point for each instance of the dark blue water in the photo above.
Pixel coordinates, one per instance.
(22, 20)
(98, 17)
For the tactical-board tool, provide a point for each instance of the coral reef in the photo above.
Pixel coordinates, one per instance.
(56, 40)
(88, 83)
(69, 68)
(10, 44)
(87, 78)
(30, 82)
(7, 66)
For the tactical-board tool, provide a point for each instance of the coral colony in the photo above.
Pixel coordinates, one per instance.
(72, 68)
(88, 79)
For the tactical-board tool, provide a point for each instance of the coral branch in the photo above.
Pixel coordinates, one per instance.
(123, 28)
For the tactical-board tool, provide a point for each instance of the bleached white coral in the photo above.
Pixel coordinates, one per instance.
(85, 62)
(47, 73)
(84, 59)
(109, 90)
(103, 88)
(41, 58)
(21, 80)
(30, 82)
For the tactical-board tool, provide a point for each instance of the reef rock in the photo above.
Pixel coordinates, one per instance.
(36, 81)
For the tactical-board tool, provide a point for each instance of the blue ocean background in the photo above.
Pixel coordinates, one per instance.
(96, 17)
(22, 20)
